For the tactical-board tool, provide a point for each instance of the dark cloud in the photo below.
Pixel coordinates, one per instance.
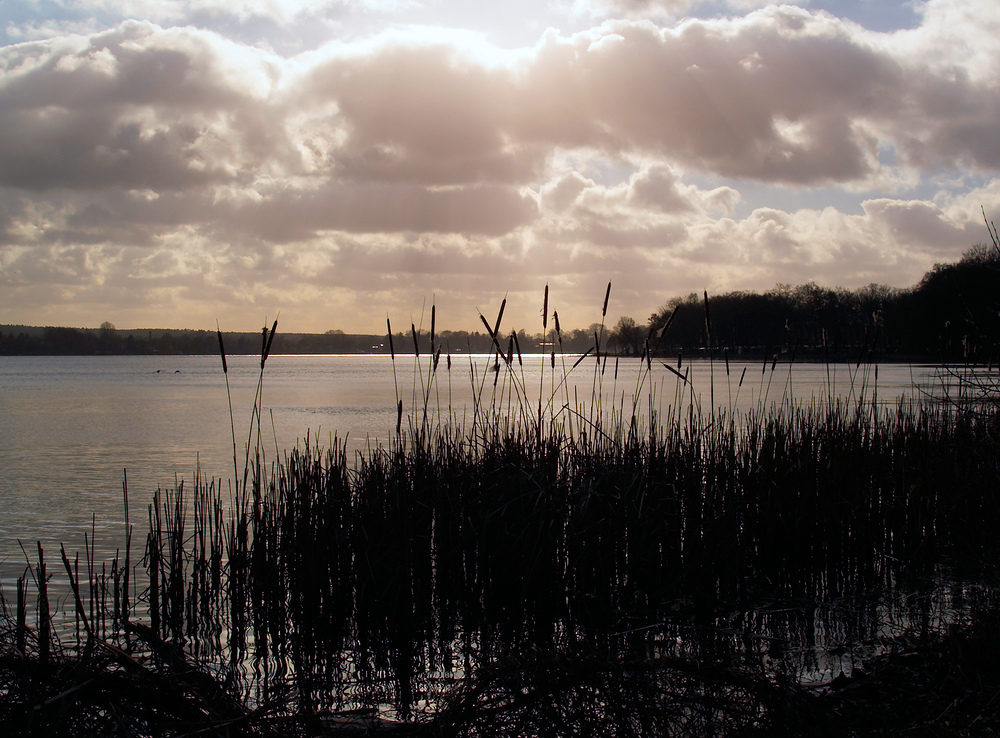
(383, 208)
(176, 169)
(780, 96)
(135, 107)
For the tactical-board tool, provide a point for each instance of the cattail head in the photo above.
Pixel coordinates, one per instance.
(222, 348)
(607, 295)
(270, 339)
(582, 356)
(676, 372)
(388, 328)
(496, 328)
(666, 326)
(545, 310)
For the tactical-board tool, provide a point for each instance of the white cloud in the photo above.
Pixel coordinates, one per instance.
(659, 9)
(179, 11)
(174, 167)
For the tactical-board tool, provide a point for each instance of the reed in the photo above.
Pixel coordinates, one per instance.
(461, 547)
(544, 546)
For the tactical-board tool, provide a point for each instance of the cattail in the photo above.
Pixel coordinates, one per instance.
(496, 328)
(517, 345)
(682, 377)
(489, 330)
(510, 350)
(388, 328)
(433, 312)
(555, 317)
(222, 348)
(670, 320)
(267, 343)
(416, 347)
(708, 318)
(607, 295)
(582, 357)
(545, 310)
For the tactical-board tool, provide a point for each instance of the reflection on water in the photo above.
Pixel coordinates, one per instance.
(70, 427)
(378, 576)
(762, 545)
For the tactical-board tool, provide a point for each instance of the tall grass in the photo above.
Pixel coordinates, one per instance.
(636, 534)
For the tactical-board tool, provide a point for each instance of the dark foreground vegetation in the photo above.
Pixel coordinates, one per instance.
(549, 569)
(547, 566)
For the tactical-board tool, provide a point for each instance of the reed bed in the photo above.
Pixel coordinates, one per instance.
(698, 563)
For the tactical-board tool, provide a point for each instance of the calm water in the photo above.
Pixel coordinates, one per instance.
(70, 427)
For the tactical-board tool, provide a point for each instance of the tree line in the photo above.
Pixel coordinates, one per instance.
(953, 313)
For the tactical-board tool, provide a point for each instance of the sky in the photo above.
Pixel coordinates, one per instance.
(174, 163)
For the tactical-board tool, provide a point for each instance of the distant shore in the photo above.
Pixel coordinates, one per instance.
(19, 340)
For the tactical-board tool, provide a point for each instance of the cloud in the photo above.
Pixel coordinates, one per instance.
(652, 8)
(180, 11)
(135, 107)
(782, 96)
(417, 112)
(145, 168)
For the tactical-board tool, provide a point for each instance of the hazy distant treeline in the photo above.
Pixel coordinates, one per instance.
(954, 312)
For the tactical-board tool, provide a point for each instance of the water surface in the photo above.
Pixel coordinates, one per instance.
(73, 428)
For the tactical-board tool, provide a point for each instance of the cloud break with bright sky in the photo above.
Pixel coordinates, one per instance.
(170, 163)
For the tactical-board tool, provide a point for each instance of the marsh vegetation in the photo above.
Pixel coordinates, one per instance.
(544, 564)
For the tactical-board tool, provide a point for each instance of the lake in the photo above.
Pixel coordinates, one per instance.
(71, 428)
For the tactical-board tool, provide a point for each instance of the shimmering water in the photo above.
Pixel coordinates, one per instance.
(72, 428)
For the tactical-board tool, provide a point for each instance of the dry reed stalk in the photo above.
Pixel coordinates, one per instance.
(255, 415)
(44, 617)
(232, 420)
